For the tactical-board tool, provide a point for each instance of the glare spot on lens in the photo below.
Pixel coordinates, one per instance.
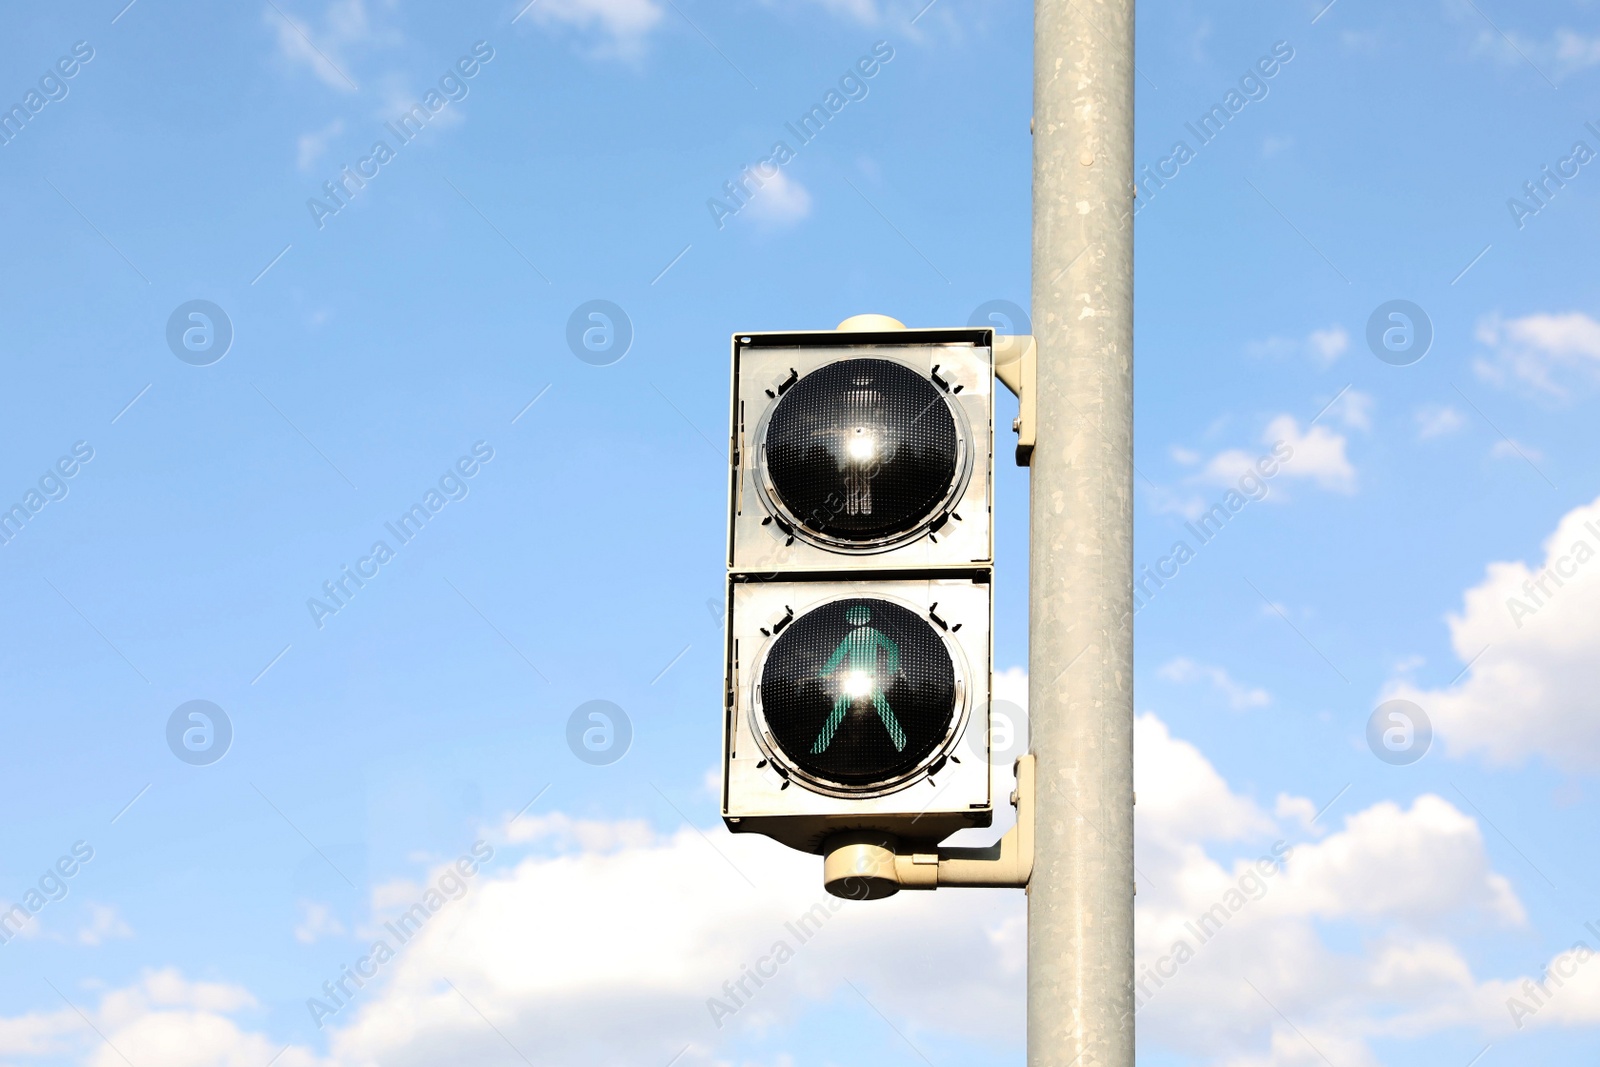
(862, 447)
(858, 684)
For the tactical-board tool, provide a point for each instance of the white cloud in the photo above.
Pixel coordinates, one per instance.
(1271, 146)
(1542, 352)
(1365, 41)
(1227, 467)
(105, 924)
(324, 50)
(160, 1019)
(31, 926)
(1321, 347)
(1328, 345)
(1506, 448)
(1353, 408)
(311, 146)
(397, 97)
(1240, 697)
(1317, 453)
(780, 200)
(585, 835)
(1381, 886)
(1407, 664)
(1531, 692)
(608, 954)
(1011, 685)
(316, 922)
(862, 11)
(1573, 51)
(1177, 502)
(1437, 420)
(1182, 799)
(1570, 995)
(1334, 878)
(609, 957)
(1296, 809)
(623, 23)
(1563, 53)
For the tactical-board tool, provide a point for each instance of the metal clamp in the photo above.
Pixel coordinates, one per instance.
(1016, 364)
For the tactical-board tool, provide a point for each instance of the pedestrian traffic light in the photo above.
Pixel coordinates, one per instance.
(862, 450)
(859, 584)
(856, 705)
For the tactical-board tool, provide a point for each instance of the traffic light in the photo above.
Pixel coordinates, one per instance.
(860, 558)
(857, 452)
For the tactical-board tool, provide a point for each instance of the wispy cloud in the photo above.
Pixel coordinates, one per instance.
(316, 922)
(1542, 352)
(862, 11)
(781, 201)
(1317, 453)
(1240, 697)
(1437, 420)
(1506, 448)
(324, 46)
(1353, 408)
(621, 26)
(1556, 54)
(313, 145)
(105, 924)
(1321, 347)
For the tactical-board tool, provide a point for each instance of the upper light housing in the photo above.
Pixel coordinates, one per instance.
(855, 451)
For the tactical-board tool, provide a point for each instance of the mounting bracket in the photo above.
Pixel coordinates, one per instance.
(865, 865)
(1016, 364)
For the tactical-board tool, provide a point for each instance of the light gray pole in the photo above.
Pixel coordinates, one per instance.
(1080, 651)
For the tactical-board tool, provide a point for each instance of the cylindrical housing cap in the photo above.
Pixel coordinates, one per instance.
(860, 866)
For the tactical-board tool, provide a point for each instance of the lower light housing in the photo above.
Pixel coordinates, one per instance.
(905, 753)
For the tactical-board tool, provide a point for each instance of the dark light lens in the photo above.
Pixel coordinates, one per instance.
(862, 449)
(858, 691)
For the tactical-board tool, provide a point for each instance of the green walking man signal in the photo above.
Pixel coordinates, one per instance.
(861, 646)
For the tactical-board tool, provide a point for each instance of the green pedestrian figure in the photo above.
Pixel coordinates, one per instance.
(861, 646)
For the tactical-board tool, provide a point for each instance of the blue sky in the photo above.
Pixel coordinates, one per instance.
(425, 325)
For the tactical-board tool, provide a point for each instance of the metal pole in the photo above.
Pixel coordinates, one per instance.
(1080, 656)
